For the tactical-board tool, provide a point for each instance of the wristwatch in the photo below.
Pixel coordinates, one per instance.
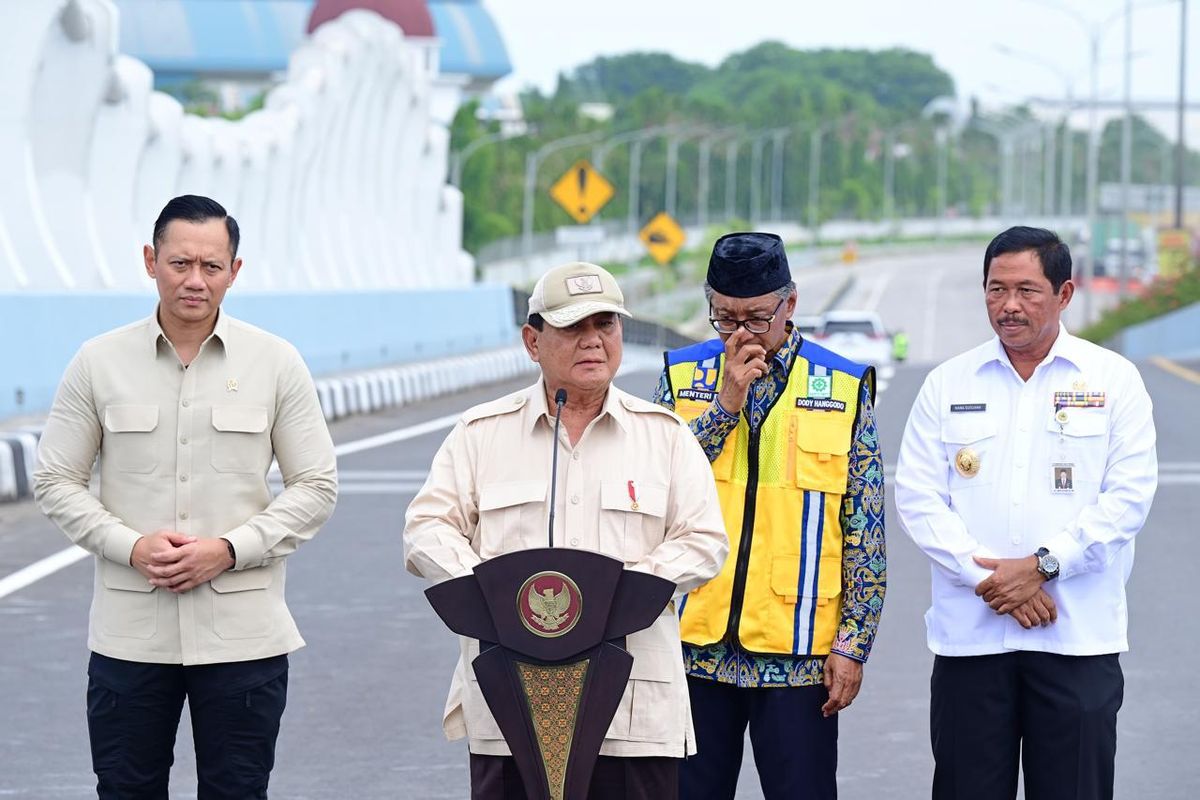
(1047, 564)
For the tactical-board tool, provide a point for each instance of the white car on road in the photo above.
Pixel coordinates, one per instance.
(858, 336)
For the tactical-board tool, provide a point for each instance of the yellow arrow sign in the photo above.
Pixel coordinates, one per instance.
(663, 237)
(582, 191)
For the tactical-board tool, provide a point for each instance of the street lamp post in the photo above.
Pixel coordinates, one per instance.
(1180, 147)
(532, 162)
(459, 160)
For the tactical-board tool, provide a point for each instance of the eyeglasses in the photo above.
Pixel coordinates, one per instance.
(752, 325)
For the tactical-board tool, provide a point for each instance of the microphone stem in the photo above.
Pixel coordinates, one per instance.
(554, 471)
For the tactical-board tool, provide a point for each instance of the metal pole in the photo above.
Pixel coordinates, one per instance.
(1093, 159)
(889, 179)
(756, 148)
(814, 187)
(1126, 148)
(777, 175)
(1048, 170)
(1180, 147)
(531, 163)
(635, 178)
(1068, 161)
(943, 140)
(702, 183)
(672, 173)
(731, 180)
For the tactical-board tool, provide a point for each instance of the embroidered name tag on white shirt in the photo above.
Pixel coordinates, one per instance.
(966, 408)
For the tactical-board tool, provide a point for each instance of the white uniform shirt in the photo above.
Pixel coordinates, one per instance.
(1012, 505)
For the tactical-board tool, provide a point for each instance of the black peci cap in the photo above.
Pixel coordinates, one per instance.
(748, 265)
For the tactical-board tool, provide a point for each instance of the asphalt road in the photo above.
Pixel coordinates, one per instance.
(366, 694)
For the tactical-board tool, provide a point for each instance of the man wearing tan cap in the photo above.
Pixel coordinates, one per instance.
(632, 483)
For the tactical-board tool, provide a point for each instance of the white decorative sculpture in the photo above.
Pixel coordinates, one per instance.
(339, 180)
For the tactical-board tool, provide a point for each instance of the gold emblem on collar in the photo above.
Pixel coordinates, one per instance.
(966, 462)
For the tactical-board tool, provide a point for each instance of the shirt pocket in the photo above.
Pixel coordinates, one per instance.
(626, 532)
(821, 453)
(240, 442)
(129, 603)
(1082, 442)
(241, 603)
(130, 440)
(509, 513)
(970, 435)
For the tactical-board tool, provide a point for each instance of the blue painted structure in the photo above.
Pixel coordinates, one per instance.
(184, 39)
(1174, 335)
(335, 331)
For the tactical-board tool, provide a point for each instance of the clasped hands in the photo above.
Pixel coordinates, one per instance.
(178, 562)
(1015, 588)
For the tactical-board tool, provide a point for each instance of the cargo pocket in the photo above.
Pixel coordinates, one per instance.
(626, 532)
(785, 579)
(507, 517)
(240, 442)
(240, 603)
(651, 693)
(130, 445)
(821, 454)
(130, 603)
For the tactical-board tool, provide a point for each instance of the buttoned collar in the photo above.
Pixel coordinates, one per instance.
(536, 407)
(155, 334)
(1066, 347)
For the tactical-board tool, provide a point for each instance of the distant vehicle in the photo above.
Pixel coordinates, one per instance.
(859, 336)
(809, 325)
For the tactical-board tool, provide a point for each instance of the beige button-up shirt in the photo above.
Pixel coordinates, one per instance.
(487, 494)
(188, 449)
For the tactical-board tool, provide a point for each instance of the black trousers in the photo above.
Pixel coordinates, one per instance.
(795, 748)
(133, 712)
(1056, 715)
(497, 778)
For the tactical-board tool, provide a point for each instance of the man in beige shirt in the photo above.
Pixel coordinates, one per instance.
(186, 410)
(632, 483)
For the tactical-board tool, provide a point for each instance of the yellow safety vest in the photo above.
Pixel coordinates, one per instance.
(781, 488)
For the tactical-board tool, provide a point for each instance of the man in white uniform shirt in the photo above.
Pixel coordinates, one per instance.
(1026, 469)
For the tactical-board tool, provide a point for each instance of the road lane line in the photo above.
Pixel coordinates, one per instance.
(877, 290)
(40, 569)
(1178, 370)
(64, 558)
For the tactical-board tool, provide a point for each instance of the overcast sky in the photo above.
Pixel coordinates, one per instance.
(545, 38)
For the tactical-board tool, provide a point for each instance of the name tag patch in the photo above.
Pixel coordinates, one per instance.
(697, 394)
(820, 404)
(966, 408)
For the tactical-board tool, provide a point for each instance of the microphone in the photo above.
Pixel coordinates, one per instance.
(560, 399)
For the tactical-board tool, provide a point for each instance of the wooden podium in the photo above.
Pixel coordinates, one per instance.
(552, 664)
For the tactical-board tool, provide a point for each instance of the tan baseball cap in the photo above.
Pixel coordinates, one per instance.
(567, 294)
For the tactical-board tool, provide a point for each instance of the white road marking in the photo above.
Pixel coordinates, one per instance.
(877, 290)
(33, 573)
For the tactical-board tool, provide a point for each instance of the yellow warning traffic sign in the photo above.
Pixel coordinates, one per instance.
(582, 191)
(663, 237)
